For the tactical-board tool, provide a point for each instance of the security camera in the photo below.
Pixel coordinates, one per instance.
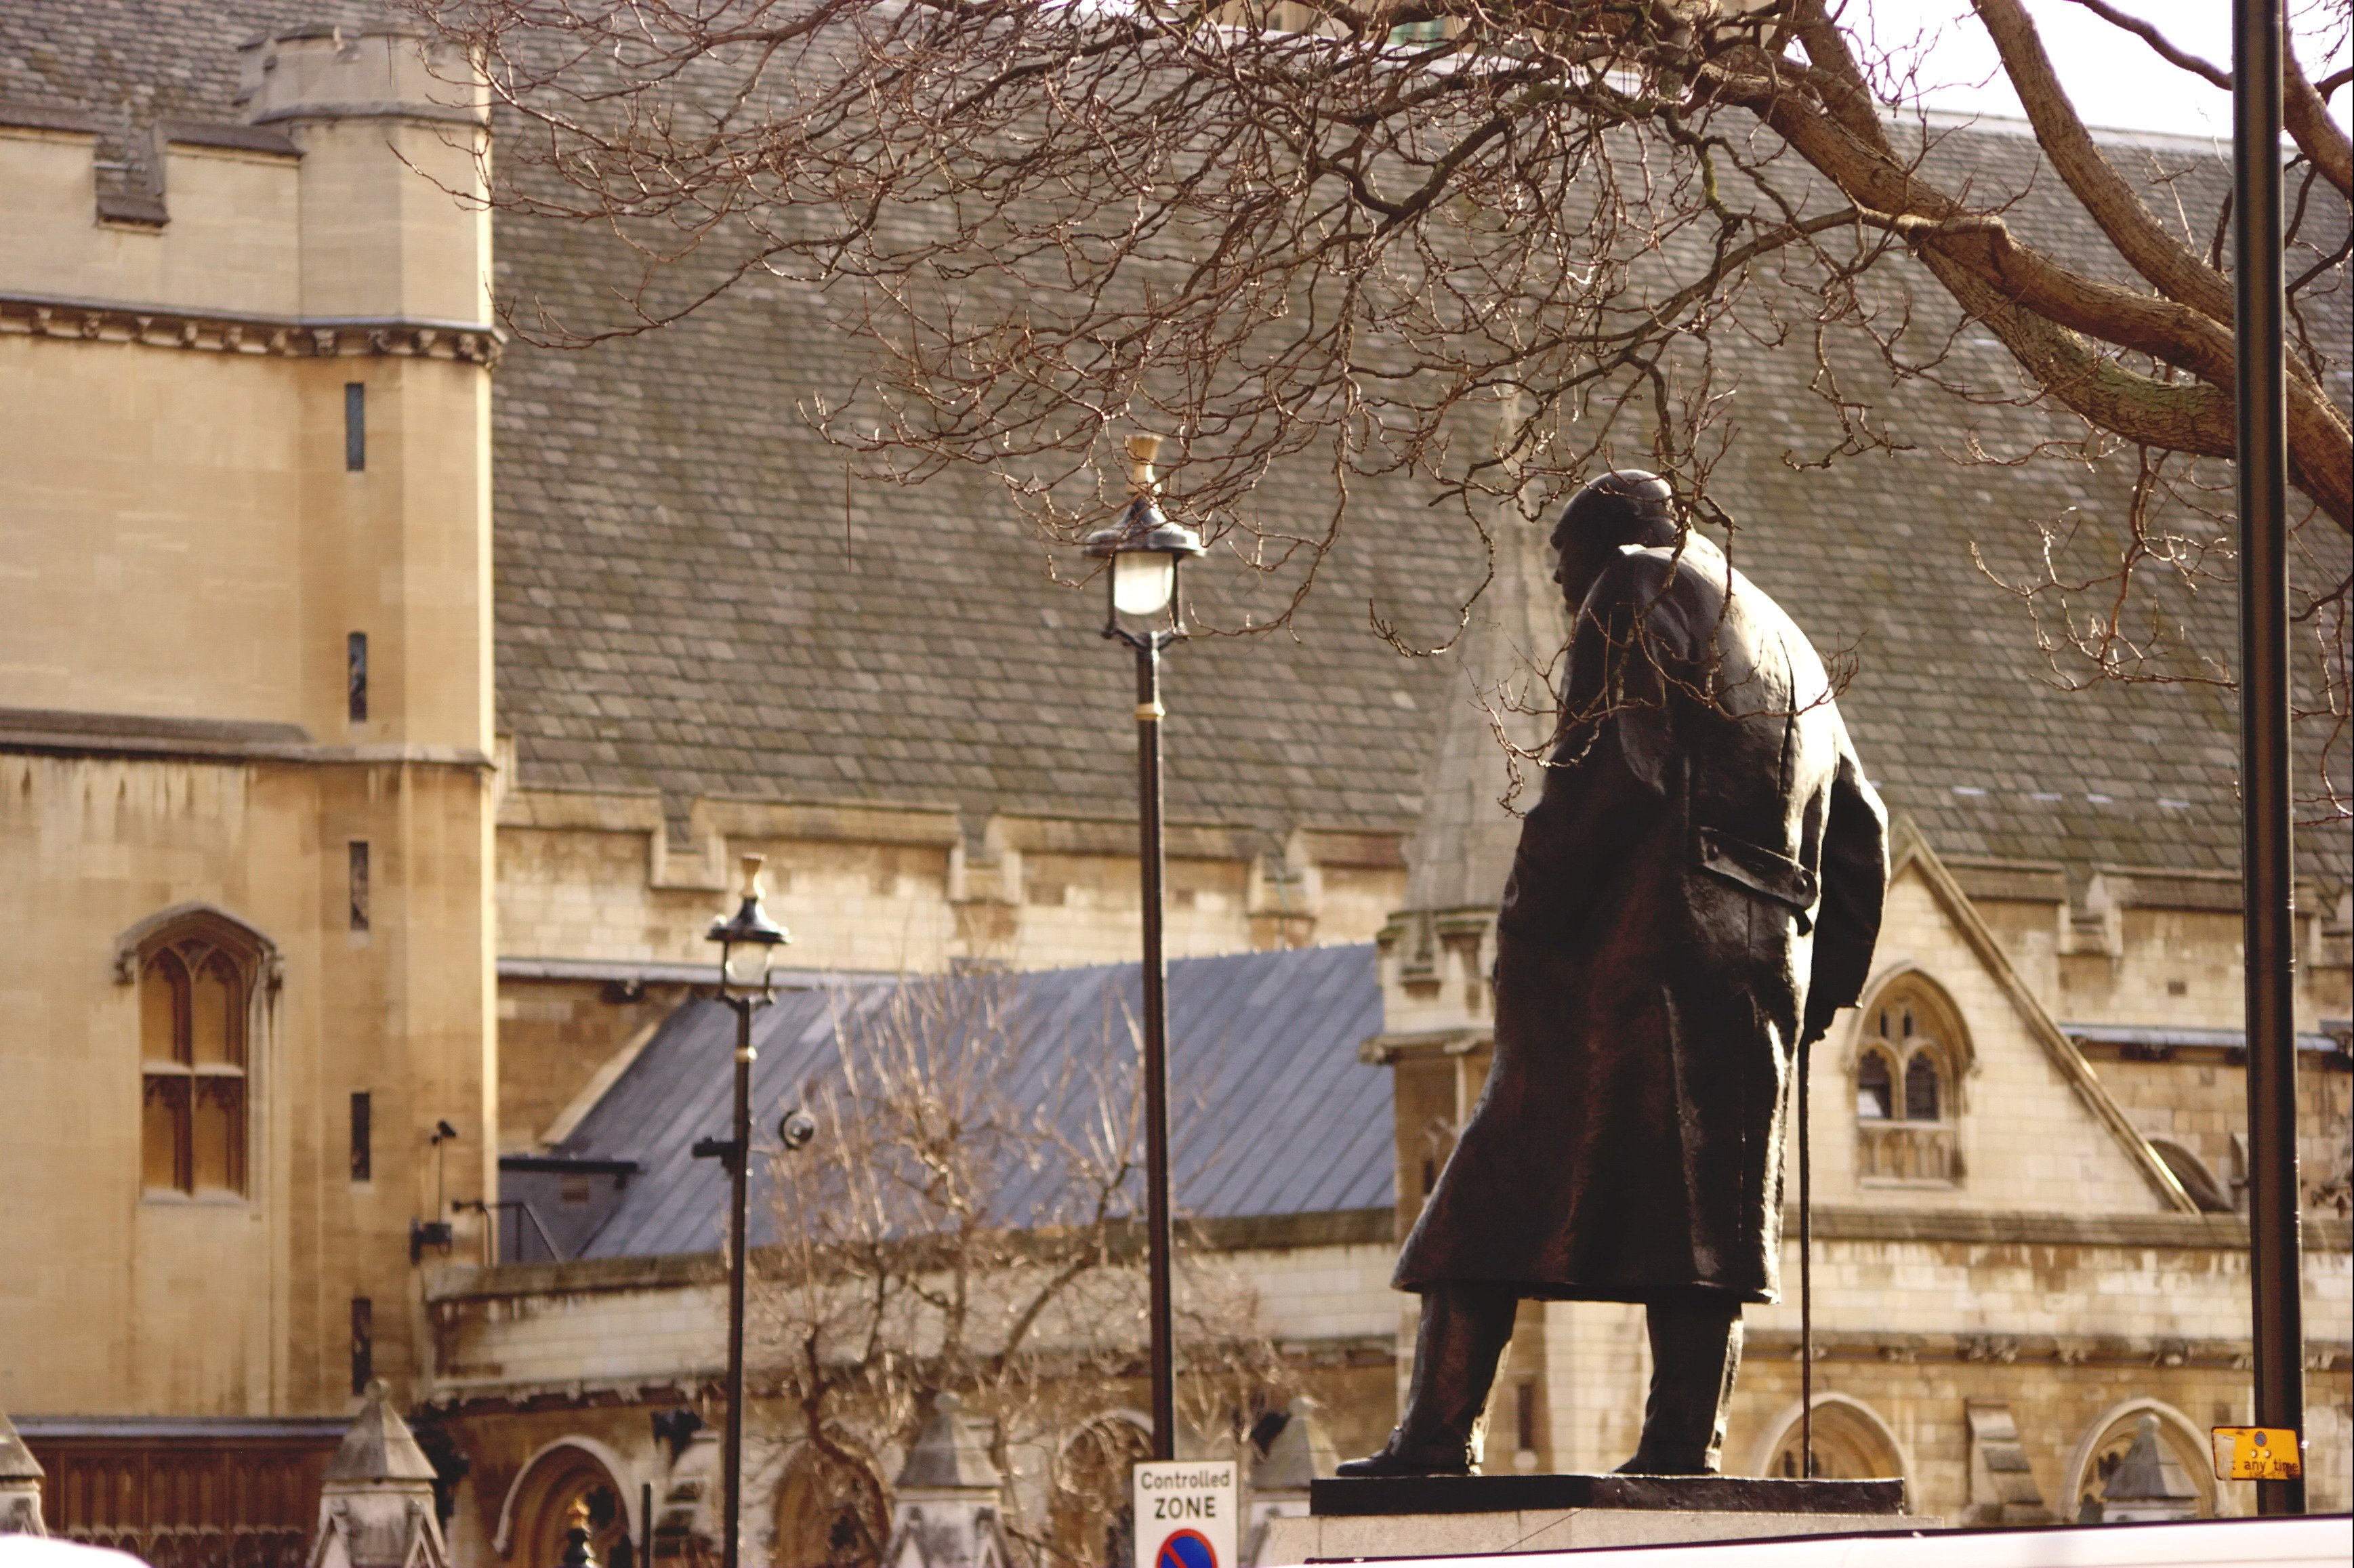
(797, 1128)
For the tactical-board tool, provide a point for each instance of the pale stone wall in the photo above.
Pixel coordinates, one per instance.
(561, 1338)
(582, 1352)
(234, 244)
(2116, 1324)
(2060, 1332)
(2158, 949)
(894, 889)
(2028, 1139)
(624, 1321)
(162, 1304)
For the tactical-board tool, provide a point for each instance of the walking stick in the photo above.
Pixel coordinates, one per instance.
(1806, 1272)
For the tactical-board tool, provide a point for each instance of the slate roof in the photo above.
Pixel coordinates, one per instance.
(690, 600)
(1271, 1112)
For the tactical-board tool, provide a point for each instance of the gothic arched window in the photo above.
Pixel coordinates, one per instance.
(195, 977)
(1908, 1064)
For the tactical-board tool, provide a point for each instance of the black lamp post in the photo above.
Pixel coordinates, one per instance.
(748, 942)
(2275, 1272)
(1143, 551)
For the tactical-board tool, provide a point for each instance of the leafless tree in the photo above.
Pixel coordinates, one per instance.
(964, 1223)
(1333, 232)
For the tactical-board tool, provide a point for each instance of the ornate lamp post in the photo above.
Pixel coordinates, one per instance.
(1143, 551)
(748, 942)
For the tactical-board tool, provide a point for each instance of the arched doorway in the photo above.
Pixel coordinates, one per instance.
(1852, 1443)
(829, 1513)
(563, 1482)
(1089, 1516)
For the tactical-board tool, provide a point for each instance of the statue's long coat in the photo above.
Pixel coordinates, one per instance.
(1698, 886)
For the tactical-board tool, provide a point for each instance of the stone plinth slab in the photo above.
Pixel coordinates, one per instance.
(1393, 1495)
(1471, 1516)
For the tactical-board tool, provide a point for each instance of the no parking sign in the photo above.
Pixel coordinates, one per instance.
(1185, 1513)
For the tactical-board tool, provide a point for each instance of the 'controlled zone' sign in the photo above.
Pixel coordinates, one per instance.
(1185, 1513)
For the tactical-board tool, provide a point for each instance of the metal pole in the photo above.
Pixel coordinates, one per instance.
(2266, 868)
(739, 1174)
(1155, 1042)
(1805, 1273)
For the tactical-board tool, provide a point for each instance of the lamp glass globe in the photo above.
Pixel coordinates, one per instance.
(1141, 581)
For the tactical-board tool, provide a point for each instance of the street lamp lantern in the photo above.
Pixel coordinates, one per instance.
(1144, 548)
(748, 939)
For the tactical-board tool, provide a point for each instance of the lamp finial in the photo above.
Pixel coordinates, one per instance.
(751, 865)
(1143, 449)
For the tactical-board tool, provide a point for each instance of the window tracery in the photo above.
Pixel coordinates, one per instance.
(195, 977)
(1921, 1087)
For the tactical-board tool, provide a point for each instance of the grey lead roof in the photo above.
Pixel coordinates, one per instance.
(691, 600)
(1271, 1111)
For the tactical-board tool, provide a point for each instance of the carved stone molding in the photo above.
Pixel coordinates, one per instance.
(217, 332)
(1922, 1153)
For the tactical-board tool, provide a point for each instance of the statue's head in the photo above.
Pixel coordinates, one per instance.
(1626, 506)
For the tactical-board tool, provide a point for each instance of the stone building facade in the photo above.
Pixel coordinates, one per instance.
(2025, 1239)
(322, 921)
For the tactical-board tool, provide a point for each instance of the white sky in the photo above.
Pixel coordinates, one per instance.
(2117, 81)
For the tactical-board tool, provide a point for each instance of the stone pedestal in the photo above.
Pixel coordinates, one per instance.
(1468, 1516)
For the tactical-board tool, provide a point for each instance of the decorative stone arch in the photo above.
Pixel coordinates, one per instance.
(827, 1515)
(537, 1510)
(1935, 1011)
(2186, 1440)
(137, 941)
(1852, 1443)
(1088, 1508)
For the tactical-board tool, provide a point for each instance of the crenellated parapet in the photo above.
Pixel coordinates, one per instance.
(340, 71)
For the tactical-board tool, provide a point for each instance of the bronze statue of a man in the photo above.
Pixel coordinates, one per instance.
(1697, 891)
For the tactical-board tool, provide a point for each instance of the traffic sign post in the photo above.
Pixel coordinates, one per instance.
(1185, 1512)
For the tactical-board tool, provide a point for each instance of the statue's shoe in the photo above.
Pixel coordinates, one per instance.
(1400, 1458)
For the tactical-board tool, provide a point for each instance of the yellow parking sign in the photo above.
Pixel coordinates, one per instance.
(2257, 1454)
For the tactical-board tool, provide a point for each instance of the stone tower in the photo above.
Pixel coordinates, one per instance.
(246, 747)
